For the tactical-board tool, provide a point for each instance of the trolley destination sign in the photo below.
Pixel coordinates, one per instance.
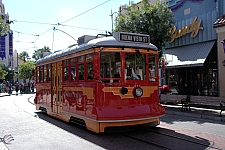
(140, 38)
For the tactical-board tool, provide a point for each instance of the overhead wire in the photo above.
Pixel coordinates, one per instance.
(76, 16)
(60, 24)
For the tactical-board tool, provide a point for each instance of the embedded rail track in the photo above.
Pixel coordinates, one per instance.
(168, 141)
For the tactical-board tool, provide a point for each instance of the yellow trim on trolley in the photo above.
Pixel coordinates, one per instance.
(147, 91)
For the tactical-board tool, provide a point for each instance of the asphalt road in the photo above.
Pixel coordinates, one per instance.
(33, 130)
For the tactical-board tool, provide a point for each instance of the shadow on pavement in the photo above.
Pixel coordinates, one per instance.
(119, 140)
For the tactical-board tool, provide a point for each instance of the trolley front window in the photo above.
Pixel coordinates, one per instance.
(135, 66)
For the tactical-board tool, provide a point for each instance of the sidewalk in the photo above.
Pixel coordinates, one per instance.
(196, 112)
(204, 107)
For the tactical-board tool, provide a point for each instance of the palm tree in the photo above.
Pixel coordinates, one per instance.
(24, 56)
(37, 53)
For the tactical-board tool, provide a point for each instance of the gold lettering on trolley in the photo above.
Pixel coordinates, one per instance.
(192, 28)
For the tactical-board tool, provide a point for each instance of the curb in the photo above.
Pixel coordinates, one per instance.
(201, 116)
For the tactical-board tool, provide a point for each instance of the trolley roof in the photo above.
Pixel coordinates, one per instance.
(119, 39)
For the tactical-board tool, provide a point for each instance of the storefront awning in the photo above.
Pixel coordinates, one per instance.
(188, 56)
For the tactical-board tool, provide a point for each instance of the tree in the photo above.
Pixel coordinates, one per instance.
(4, 27)
(24, 56)
(3, 71)
(37, 53)
(25, 70)
(154, 20)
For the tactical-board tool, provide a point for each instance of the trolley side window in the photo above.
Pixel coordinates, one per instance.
(110, 66)
(135, 66)
(73, 69)
(152, 68)
(45, 73)
(38, 74)
(90, 70)
(41, 74)
(66, 70)
(49, 72)
(81, 67)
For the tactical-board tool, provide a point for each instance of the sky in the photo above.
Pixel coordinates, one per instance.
(39, 17)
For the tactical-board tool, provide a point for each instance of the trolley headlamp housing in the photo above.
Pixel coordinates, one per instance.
(138, 92)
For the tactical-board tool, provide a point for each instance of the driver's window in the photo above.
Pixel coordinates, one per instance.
(135, 66)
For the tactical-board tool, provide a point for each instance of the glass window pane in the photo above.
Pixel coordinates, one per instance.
(152, 68)
(65, 62)
(81, 59)
(73, 73)
(45, 73)
(66, 74)
(81, 71)
(89, 57)
(110, 66)
(49, 72)
(135, 67)
(90, 71)
(40, 74)
(72, 61)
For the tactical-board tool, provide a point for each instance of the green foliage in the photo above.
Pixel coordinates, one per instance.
(37, 53)
(3, 71)
(24, 56)
(4, 27)
(154, 20)
(25, 70)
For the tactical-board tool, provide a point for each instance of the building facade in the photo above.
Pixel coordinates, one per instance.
(6, 42)
(193, 63)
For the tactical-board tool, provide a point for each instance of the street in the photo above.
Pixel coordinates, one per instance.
(34, 130)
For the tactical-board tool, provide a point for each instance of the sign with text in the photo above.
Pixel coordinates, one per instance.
(129, 37)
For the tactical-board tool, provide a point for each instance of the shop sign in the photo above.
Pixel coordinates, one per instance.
(192, 28)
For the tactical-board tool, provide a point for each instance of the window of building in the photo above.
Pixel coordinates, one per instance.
(173, 80)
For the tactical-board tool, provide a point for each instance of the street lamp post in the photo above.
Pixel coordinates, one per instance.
(112, 17)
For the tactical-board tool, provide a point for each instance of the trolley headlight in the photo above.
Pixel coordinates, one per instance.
(138, 92)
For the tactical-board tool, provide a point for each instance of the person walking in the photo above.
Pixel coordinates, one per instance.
(32, 87)
(7, 86)
(17, 88)
(21, 88)
(10, 89)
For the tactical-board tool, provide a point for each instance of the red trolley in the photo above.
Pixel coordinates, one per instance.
(102, 82)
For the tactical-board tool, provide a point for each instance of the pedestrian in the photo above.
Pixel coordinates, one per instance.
(7, 86)
(21, 88)
(17, 87)
(10, 89)
(32, 87)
